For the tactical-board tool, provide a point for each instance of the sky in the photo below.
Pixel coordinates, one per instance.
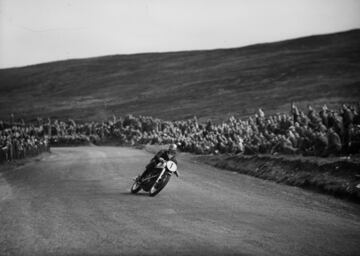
(37, 31)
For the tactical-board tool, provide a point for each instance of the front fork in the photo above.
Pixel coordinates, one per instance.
(160, 176)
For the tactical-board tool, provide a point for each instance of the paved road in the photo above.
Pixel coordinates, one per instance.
(75, 201)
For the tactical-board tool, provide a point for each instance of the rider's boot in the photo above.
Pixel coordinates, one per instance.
(145, 172)
(138, 178)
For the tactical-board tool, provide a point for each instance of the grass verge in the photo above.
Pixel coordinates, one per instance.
(334, 176)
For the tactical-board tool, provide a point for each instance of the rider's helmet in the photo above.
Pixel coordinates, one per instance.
(172, 149)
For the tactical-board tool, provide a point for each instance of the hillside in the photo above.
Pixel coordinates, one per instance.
(177, 85)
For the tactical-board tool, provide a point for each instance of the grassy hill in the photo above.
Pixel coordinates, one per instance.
(177, 85)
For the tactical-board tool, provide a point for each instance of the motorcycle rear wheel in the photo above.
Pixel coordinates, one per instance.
(156, 188)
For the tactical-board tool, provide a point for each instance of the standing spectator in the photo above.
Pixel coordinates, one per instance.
(314, 119)
(321, 144)
(295, 113)
(324, 115)
(334, 143)
(348, 118)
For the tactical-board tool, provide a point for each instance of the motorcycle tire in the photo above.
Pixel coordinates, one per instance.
(135, 188)
(156, 188)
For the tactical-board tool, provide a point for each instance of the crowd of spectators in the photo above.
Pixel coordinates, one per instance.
(323, 133)
(18, 140)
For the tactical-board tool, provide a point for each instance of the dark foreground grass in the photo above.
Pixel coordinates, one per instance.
(209, 84)
(334, 176)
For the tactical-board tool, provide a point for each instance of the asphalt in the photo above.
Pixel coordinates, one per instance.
(76, 201)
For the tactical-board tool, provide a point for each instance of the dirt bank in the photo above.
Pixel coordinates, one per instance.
(335, 176)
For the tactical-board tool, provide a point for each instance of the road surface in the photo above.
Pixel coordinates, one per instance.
(76, 201)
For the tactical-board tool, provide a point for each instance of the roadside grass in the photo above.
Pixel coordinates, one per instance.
(335, 176)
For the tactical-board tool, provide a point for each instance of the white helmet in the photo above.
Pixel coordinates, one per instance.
(172, 148)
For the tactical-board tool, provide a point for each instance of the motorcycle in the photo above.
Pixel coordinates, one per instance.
(157, 179)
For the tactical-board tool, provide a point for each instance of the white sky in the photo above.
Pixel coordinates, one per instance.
(35, 31)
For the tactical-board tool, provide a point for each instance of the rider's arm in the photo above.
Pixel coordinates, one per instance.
(174, 160)
(158, 157)
(177, 173)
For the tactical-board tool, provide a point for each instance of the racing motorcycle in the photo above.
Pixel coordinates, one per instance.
(157, 179)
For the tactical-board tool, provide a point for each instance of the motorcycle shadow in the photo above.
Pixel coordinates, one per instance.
(136, 194)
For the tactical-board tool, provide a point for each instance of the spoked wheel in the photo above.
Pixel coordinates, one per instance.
(157, 187)
(135, 187)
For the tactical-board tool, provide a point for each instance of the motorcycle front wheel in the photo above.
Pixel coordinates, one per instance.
(157, 187)
(135, 188)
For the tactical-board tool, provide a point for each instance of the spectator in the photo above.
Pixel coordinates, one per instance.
(324, 133)
(334, 143)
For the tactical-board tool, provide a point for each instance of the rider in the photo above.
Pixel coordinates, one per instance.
(161, 156)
